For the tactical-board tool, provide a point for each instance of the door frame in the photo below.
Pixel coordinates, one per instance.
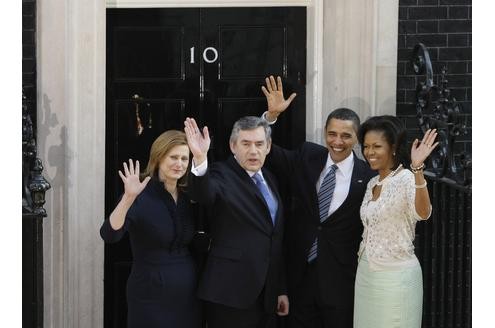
(71, 107)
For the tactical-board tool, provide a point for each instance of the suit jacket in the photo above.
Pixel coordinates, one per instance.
(245, 257)
(338, 237)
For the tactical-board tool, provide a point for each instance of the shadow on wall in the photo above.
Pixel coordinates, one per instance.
(56, 153)
(359, 105)
(52, 141)
(363, 109)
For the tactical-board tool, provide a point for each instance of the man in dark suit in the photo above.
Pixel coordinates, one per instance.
(323, 229)
(243, 282)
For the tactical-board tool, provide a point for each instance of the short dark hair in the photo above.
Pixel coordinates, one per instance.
(250, 123)
(344, 114)
(395, 134)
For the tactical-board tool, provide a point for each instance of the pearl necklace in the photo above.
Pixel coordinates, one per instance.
(391, 174)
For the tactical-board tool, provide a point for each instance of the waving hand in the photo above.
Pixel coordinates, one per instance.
(132, 188)
(198, 143)
(421, 150)
(274, 94)
(132, 185)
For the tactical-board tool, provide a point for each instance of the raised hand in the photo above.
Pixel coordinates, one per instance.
(274, 94)
(198, 143)
(132, 185)
(421, 150)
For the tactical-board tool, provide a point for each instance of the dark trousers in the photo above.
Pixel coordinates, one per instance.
(222, 316)
(307, 311)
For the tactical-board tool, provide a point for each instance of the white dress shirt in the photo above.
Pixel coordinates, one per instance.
(342, 181)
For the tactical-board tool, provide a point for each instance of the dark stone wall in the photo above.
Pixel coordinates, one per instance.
(29, 55)
(444, 27)
(443, 245)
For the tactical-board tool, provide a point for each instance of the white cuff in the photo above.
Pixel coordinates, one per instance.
(263, 116)
(199, 170)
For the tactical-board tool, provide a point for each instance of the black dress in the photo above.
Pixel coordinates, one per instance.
(161, 289)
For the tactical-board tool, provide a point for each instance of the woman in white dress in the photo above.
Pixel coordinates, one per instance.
(389, 284)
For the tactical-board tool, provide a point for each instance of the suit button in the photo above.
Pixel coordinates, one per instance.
(320, 227)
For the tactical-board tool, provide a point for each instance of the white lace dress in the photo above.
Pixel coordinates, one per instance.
(389, 285)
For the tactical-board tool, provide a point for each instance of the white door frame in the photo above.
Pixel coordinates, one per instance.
(351, 62)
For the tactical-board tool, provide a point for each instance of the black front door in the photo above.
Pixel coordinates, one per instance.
(166, 64)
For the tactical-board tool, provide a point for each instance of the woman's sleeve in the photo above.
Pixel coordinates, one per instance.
(410, 185)
(109, 235)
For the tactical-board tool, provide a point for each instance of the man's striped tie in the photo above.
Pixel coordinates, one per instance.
(324, 199)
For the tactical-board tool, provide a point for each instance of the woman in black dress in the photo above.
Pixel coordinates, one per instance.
(157, 214)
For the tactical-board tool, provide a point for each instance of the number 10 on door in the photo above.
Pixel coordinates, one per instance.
(207, 54)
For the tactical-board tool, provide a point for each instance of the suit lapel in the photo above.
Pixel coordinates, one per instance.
(255, 193)
(357, 181)
(316, 166)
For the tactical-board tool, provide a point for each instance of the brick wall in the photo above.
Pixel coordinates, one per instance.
(29, 55)
(444, 26)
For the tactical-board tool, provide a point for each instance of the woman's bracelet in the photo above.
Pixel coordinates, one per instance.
(421, 186)
(417, 169)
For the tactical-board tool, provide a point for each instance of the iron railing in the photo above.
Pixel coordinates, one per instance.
(443, 244)
(34, 187)
(443, 247)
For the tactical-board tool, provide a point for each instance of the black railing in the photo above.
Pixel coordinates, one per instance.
(34, 187)
(437, 109)
(443, 244)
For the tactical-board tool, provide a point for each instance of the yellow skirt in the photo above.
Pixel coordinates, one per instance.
(388, 299)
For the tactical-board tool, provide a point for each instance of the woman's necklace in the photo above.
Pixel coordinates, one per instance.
(391, 174)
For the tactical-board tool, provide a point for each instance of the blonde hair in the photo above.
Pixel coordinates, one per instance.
(160, 148)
